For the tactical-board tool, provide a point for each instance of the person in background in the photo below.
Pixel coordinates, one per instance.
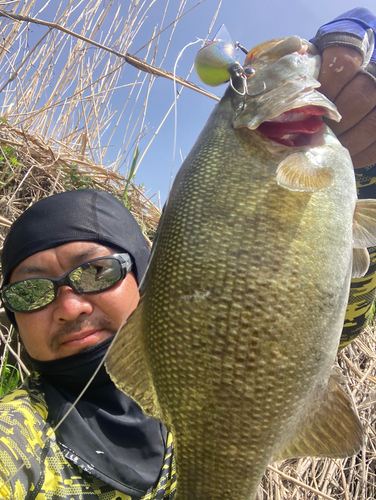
(72, 264)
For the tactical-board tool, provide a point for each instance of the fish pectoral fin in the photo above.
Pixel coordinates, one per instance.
(360, 262)
(332, 431)
(364, 224)
(128, 368)
(303, 171)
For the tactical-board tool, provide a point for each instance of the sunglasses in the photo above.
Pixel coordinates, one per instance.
(92, 276)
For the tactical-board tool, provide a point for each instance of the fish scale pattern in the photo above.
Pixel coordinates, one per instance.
(242, 306)
(235, 325)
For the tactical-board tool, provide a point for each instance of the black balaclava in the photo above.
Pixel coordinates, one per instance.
(106, 434)
(82, 215)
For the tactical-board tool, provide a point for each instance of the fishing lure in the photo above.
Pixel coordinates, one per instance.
(216, 62)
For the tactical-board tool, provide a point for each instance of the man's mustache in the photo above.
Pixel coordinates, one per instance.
(76, 326)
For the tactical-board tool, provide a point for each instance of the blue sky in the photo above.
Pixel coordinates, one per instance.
(248, 21)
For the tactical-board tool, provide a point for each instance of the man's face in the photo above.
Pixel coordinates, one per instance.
(72, 322)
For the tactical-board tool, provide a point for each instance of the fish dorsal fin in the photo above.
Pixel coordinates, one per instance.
(128, 368)
(302, 171)
(360, 263)
(364, 224)
(332, 431)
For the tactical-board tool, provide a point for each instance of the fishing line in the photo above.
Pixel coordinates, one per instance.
(176, 113)
(53, 430)
(143, 278)
(105, 356)
(100, 364)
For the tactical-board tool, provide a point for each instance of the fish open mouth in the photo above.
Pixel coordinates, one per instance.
(296, 127)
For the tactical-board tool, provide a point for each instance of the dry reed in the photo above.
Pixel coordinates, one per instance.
(353, 478)
(55, 133)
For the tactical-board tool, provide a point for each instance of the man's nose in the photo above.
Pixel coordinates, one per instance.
(70, 305)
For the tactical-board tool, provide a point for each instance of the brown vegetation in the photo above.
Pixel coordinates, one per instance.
(55, 132)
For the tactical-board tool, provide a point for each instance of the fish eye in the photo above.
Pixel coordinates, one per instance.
(249, 72)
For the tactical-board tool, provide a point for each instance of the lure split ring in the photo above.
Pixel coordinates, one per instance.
(216, 63)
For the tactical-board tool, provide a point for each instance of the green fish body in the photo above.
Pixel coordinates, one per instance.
(234, 341)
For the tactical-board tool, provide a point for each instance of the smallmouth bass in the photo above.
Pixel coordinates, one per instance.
(233, 343)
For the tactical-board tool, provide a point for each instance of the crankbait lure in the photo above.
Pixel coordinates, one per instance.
(216, 62)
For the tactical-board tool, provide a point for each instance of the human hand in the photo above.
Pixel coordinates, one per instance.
(355, 97)
(350, 82)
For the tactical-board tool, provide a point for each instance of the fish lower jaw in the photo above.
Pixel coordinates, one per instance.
(296, 127)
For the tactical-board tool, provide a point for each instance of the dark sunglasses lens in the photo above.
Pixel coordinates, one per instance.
(29, 295)
(96, 275)
(35, 293)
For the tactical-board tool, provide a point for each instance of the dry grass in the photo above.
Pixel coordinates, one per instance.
(34, 170)
(59, 105)
(80, 86)
(350, 479)
(55, 134)
(42, 172)
(75, 105)
(31, 170)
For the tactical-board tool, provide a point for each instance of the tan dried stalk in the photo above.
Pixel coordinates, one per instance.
(78, 99)
(61, 128)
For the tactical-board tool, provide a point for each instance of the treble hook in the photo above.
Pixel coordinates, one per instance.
(258, 93)
(245, 87)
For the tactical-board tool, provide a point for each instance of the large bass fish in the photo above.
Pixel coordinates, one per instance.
(233, 343)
